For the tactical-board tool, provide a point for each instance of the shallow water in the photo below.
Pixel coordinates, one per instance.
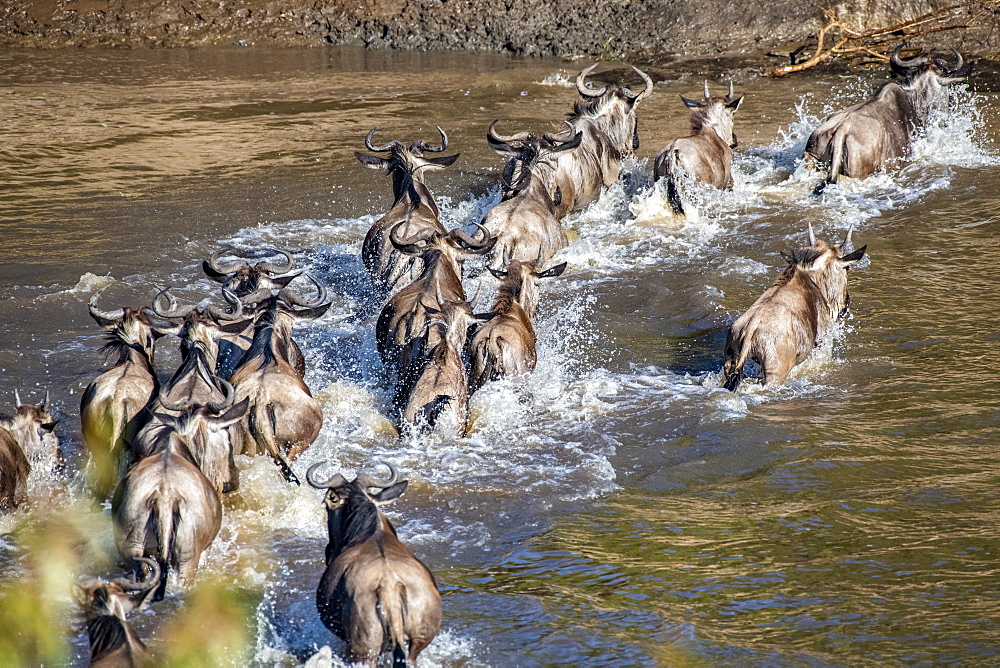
(618, 508)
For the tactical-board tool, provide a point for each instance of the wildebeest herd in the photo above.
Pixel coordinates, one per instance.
(164, 451)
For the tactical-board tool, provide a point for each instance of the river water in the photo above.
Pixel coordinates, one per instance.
(619, 508)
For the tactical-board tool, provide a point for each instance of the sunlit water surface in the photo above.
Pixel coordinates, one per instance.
(618, 507)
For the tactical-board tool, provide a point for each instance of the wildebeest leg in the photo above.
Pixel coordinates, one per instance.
(777, 374)
(733, 372)
(364, 636)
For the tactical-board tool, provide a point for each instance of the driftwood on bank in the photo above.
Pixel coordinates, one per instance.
(838, 38)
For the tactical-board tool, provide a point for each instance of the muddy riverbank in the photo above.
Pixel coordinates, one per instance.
(652, 31)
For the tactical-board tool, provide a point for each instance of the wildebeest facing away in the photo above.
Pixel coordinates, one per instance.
(24, 437)
(505, 345)
(242, 278)
(525, 222)
(606, 119)
(439, 397)
(284, 418)
(402, 331)
(165, 507)
(863, 139)
(113, 641)
(783, 326)
(413, 211)
(707, 155)
(113, 402)
(374, 594)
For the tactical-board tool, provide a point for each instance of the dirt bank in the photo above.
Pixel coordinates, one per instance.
(653, 30)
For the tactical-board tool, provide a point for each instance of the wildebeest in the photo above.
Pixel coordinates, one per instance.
(402, 331)
(113, 641)
(707, 155)
(413, 210)
(525, 222)
(242, 278)
(505, 345)
(284, 418)
(439, 396)
(195, 382)
(782, 327)
(606, 119)
(25, 437)
(113, 402)
(165, 507)
(863, 139)
(374, 594)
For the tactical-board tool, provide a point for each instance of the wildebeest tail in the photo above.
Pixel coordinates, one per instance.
(165, 516)
(733, 369)
(392, 609)
(264, 426)
(836, 160)
(673, 193)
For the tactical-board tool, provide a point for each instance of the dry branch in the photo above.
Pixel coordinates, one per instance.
(877, 43)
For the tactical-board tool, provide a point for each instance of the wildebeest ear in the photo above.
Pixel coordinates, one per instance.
(693, 104)
(735, 104)
(552, 272)
(444, 160)
(233, 415)
(371, 161)
(390, 493)
(49, 426)
(484, 317)
(212, 273)
(856, 256)
(283, 281)
(498, 273)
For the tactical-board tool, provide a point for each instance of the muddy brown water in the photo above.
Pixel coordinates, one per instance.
(619, 508)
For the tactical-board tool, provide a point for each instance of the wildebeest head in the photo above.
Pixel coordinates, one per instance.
(352, 505)
(34, 429)
(405, 163)
(525, 150)
(98, 598)
(826, 265)
(453, 245)
(200, 327)
(128, 327)
(616, 104)
(928, 77)
(715, 114)
(241, 278)
(520, 281)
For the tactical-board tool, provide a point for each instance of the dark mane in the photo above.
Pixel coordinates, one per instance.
(361, 519)
(591, 106)
(115, 349)
(262, 348)
(806, 255)
(107, 633)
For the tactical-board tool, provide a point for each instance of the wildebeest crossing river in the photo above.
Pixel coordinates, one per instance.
(619, 508)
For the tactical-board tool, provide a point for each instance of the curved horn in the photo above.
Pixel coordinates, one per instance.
(812, 235)
(17, 399)
(172, 310)
(152, 578)
(731, 91)
(569, 144)
(959, 61)
(213, 262)
(273, 268)
(105, 318)
(908, 63)
(562, 135)
(295, 299)
(584, 88)
(234, 313)
(847, 245)
(179, 407)
(421, 145)
(400, 244)
(369, 481)
(707, 94)
(45, 402)
(229, 396)
(648, 88)
(378, 149)
(494, 138)
(472, 242)
(334, 481)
